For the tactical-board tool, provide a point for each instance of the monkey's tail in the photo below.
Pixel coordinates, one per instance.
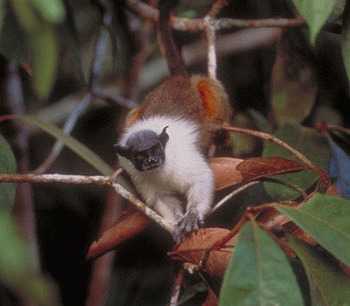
(170, 51)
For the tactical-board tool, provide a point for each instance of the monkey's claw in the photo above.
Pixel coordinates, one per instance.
(188, 223)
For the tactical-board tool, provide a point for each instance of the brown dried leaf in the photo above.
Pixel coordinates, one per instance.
(291, 228)
(225, 171)
(127, 226)
(130, 224)
(259, 167)
(345, 268)
(193, 248)
(212, 299)
(333, 190)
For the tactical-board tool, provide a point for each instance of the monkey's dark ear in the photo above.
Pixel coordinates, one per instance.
(163, 136)
(122, 150)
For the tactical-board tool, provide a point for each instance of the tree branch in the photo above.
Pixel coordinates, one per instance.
(210, 34)
(196, 25)
(55, 178)
(150, 213)
(91, 180)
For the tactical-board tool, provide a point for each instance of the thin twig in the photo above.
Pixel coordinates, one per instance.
(67, 129)
(210, 34)
(177, 288)
(56, 178)
(337, 128)
(231, 195)
(195, 25)
(100, 48)
(110, 95)
(275, 140)
(271, 138)
(217, 7)
(287, 184)
(228, 23)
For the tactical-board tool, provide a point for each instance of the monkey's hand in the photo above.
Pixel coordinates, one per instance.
(189, 222)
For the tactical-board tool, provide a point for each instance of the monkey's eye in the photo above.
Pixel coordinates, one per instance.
(141, 155)
(155, 150)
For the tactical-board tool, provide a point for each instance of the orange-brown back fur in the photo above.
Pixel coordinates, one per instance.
(199, 99)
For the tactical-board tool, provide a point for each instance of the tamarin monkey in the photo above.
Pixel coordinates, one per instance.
(164, 144)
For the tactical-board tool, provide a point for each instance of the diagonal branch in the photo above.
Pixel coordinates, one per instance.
(217, 7)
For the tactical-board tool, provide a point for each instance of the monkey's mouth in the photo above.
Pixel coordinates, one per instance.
(151, 167)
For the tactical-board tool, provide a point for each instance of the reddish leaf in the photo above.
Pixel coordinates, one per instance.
(212, 299)
(225, 171)
(345, 268)
(127, 226)
(193, 248)
(259, 167)
(333, 190)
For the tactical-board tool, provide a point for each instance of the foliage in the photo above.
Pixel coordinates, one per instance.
(7, 165)
(16, 272)
(316, 14)
(260, 273)
(286, 239)
(307, 141)
(29, 29)
(15, 267)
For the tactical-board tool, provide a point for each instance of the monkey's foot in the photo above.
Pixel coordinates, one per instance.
(188, 223)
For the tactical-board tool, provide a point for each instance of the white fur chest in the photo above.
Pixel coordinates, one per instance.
(183, 161)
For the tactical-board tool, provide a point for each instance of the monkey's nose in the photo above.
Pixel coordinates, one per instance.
(152, 160)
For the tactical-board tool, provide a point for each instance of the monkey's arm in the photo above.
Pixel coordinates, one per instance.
(199, 200)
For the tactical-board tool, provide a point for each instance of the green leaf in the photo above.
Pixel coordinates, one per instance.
(32, 13)
(35, 21)
(51, 10)
(7, 165)
(26, 15)
(326, 219)
(345, 42)
(89, 156)
(243, 144)
(259, 272)
(15, 267)
(13, 38)
(44, 49)
(316, 13)
(329, 285)
(309, 142)
(293, 83)
(1, 13)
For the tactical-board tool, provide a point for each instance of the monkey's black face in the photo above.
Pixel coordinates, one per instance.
(145, 149)
(150, 159)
